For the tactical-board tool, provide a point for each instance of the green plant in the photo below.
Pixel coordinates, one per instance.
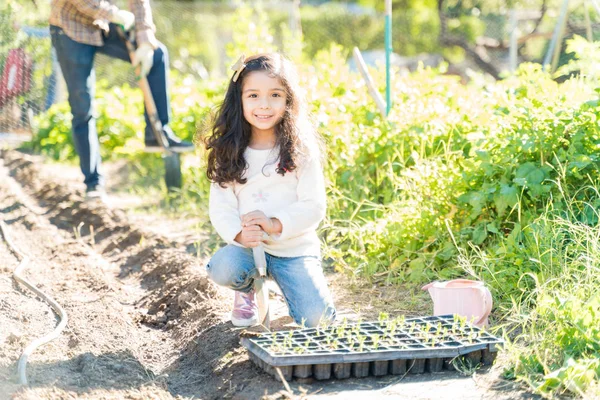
(465, 365)
(361, 342)
(557, 313)
(375, 338)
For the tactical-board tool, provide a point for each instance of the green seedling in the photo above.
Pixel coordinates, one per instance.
(444, 333)
(361, 342)
(383, 319)
(287, 341)
(391, 329)
(401, 320)
(375, 339)
(427, 329)
(356, 329)
(340, 331)
(276, 348)
(343, 327)
(323, 324)
(393, 325)
(411, 327)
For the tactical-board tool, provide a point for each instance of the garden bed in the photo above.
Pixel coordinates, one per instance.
(388, 346)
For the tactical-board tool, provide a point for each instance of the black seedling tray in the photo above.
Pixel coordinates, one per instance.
(388, 346)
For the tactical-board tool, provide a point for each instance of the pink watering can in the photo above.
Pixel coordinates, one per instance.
(464, 297)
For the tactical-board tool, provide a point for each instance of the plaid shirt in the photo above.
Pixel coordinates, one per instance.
(84, 20)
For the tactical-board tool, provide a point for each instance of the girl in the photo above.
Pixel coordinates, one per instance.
(267, 187)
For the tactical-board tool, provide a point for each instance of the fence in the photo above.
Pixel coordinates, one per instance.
(199, 36)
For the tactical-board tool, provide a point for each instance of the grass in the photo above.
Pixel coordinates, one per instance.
(554, 323)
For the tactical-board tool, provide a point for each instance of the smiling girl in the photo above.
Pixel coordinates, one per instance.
(267, 187)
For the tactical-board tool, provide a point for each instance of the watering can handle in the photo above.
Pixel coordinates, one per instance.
(487, 304)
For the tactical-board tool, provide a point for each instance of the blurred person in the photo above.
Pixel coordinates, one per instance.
(79, 29)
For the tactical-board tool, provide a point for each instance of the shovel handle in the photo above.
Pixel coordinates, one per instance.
(155, 123)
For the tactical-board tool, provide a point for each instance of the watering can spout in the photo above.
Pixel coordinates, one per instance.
(464, 297)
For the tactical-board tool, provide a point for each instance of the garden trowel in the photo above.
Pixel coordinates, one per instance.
(261, 291)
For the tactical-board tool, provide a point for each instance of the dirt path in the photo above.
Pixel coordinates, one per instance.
(144, 321)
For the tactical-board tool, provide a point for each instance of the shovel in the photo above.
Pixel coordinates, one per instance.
(171, 159)
(261, 292)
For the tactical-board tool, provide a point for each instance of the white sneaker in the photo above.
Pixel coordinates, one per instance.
(95, 194)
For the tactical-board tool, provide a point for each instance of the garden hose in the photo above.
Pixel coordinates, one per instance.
(23, 261)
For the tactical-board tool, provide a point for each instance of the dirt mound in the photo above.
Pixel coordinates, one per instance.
(174, 297)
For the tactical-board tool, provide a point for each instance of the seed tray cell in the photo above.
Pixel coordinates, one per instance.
(399, 346)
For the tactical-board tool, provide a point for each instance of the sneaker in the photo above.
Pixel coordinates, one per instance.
(175, 144)
(245, 310)
(95, 193)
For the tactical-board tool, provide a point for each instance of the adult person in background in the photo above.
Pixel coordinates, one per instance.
(79, 29)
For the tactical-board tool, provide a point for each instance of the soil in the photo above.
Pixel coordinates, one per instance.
(144, 319)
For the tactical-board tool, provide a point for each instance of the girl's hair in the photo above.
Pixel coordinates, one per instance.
(230, 133)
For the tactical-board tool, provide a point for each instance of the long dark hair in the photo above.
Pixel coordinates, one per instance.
(230, 133)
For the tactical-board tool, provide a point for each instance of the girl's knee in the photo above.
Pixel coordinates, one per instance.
(217, 274)
(317, 316)
(226, 268)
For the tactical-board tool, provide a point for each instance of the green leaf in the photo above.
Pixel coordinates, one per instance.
(476, 199)
(492, 228)
(506, 198)
(530, 173)
(416, 270)
(479, 234)
(581, 161)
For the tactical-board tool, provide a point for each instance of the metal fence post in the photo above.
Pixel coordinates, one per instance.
(388, 54)
(556, 37)
(513, 41)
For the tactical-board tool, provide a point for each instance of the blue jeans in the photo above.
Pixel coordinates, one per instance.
(301, 281)
(77, 64)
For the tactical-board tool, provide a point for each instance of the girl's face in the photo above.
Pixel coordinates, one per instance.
(263, 101)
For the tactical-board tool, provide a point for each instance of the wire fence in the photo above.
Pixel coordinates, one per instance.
(199, 36)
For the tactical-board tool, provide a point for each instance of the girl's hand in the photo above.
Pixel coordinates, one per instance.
(250, 236)
(269, 225)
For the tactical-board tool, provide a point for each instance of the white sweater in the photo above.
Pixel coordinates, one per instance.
(297, 199)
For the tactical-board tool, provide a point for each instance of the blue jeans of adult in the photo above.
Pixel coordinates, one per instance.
(77, 64)
(301, 281)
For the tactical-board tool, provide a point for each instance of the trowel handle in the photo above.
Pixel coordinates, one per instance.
(262, 292)
(260, 259)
